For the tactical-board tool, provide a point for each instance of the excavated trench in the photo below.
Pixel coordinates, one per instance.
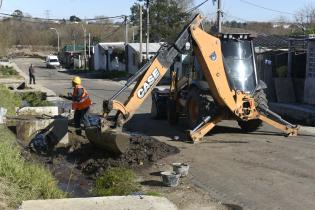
(77, 167)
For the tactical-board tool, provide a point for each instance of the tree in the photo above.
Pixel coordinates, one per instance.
(305, 18)
(18, 14)
(74, 18)
(167, 17)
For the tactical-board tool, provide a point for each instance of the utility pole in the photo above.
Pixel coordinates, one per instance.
(140, 51)
(89, 45)
(126, 30)
(47, 14)
(84, 31)
(148, 28)
(219, 17)
(58, 37)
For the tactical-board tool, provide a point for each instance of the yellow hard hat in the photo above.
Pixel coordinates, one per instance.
(77, 80)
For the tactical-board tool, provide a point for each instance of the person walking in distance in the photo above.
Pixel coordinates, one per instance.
(81, 103)
(31, 72)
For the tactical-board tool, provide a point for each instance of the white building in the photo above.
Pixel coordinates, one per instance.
(110, 56)
(133, 53)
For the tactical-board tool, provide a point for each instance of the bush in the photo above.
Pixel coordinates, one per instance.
(35, 99)
(116, 181)
(282, 71)
(8, 71)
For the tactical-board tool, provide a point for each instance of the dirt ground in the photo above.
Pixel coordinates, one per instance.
(78, 166)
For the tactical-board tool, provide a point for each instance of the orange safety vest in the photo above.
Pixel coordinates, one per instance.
(85, 100)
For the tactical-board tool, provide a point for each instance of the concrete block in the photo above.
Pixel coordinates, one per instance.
(285, 90)
(28, 126)
(37, 111)
(102, 203)
(309, 91)
(300, 112)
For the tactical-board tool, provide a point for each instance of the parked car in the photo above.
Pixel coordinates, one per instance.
(52, 61)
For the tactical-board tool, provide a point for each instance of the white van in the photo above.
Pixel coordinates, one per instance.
(52, 61)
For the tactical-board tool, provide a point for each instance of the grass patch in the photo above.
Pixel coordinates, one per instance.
(116, 181)
(8, 71)
(22, 180)
(9, 100)
(35, 99)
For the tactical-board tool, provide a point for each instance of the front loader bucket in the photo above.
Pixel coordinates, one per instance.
(113, 141)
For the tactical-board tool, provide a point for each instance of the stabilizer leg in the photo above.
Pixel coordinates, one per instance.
(203, 128)
(286, 127)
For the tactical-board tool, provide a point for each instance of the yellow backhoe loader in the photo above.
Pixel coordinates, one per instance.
(231, 89)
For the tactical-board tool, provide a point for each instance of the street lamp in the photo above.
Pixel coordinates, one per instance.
(58, 38)
(84, 31)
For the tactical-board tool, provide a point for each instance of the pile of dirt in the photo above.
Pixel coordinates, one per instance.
(143, 151)
(77, 167)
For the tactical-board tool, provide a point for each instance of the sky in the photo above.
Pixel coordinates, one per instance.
(240, 10)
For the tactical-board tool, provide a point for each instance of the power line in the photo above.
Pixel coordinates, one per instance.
(115, 31)
(196, 7)
(265, 8)
(106, 18)
(234, 17)
(56, 19)
(47, 14)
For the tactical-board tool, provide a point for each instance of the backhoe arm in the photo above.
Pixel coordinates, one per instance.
(148, 77)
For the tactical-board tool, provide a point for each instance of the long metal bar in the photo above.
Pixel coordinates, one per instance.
(204, 121)
(278, 117)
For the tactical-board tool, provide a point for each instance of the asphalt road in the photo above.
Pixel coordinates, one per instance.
(263, 170)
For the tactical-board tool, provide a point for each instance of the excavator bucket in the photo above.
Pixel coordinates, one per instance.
(112, 140)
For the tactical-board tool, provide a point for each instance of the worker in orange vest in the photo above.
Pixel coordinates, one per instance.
(81, 103)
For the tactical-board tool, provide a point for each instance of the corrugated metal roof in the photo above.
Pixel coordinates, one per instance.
(271, 41)
(70, 48)
(153, 47)
(106, 45)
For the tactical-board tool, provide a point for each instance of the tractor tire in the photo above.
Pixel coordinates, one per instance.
(261, 103)
(171, 112)
(154, 110)
(158, 110)
(199, 105)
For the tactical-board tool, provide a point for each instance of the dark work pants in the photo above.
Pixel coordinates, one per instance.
(32, 78)
(81, 116)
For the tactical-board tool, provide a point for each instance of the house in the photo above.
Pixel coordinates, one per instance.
(69, 54)
(309, 90)
(133, 53)
(109, 56)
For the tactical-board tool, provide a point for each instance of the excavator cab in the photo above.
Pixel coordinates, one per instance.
(239, 61)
